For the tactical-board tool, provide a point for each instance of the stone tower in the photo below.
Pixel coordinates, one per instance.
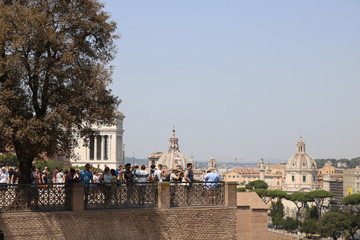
(212, 163)
(262, 169)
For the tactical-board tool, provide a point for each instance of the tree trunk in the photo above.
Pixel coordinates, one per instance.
(25, 157)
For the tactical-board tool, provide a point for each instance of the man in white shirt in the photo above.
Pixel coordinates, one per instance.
(159, 174)
(142, 177)
(4, 176)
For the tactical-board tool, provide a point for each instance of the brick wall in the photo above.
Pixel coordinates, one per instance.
(175, 223)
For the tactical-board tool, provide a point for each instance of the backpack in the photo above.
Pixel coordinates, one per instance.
(167, 178)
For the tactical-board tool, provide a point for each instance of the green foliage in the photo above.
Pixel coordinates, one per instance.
(333, 224)
(354, 225)
(277, 213)
(242, 189)
(258, 184)
(351, 163)
(354, 162)
(319, 196)
(9, 159)
(352, 200)
(299, 199)
(290, 224)
(321, 162)
(276, 194)
(50, 164)
(54, 76)
(312, 213)
(262, 193)
(309, 226)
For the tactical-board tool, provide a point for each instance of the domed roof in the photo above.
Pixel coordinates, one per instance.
(173, 158)
(301, 160)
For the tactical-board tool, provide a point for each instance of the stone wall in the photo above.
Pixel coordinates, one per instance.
(175, 223)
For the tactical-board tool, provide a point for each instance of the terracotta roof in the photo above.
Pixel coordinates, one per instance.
(250, 199)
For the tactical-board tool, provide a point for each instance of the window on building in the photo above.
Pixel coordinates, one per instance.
(293, 178)
(106, 147)
(304, 178)
(98, 148)
(92, 148)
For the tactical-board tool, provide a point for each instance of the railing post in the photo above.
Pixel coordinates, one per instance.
(77, 197)
(164, 195)
(230, 194)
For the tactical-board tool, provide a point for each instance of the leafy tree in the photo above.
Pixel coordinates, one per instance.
(299, 199)
(312, 213)
(321, 162)
(309, 226)
(333, 224)
(258, 184)
(262, 193)
(319, 196)
(353, 200)
(354, 225)
(276, 195)
(290, 224)
(354, 162)
(277, 213)
(54, 76)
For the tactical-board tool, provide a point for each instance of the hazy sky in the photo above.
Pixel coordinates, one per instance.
(239, 79)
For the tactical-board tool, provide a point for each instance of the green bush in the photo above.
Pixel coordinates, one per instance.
(290, 224)
(8, 159)
(241, 189)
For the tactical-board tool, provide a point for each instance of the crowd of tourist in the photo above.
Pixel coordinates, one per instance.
(127, 173)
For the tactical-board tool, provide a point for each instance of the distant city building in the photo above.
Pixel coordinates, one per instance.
(212, 163)
(342, 165)
(274, 175)
(154, 158)
(330, 172)
(300, 172)
(105, 149)
(242, 175)
(335, 186)
(173, 158)
(351, 181)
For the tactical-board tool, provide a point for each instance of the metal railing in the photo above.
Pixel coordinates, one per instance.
(58, 197)
(197, 194)
(120, 195)
(34, 197)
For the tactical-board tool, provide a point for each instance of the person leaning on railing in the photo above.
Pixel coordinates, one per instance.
(211, 179)
(129, 177)
(107, 179)
(86, 177)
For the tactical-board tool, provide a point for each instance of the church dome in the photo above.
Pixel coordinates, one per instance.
(301, 160)
(173, 158)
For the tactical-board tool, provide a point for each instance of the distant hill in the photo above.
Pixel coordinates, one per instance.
(351, 163)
